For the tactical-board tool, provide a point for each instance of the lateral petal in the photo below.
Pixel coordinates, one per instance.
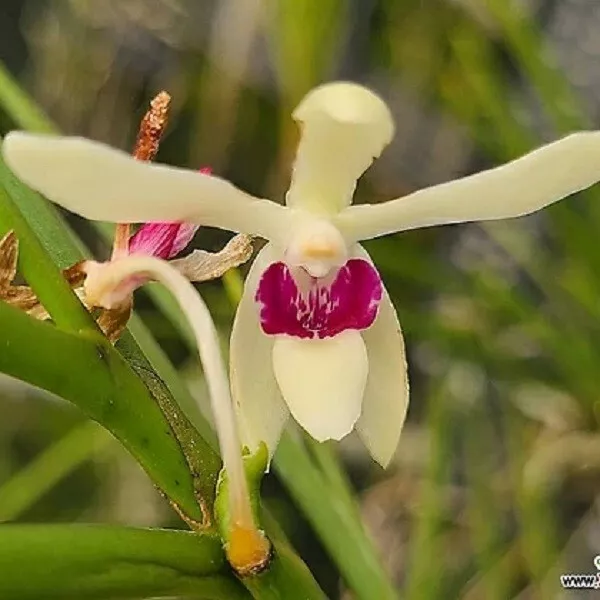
(517, 188)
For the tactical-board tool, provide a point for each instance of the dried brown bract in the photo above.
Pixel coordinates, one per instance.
(113, 321)
(20, 296)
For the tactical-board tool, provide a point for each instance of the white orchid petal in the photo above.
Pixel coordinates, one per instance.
(261, 411)
(517, 188)
(344, 126)
(101, 183)
(386, 395)
(323, 381)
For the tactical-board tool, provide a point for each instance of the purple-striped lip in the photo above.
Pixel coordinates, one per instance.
(307, 307)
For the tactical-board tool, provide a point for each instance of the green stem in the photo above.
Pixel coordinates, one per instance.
(287, 578)
(87, 561)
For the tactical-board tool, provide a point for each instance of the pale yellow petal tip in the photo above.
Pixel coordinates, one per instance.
(347, 103)
(248, 550)
(14, 145)
(27, 154)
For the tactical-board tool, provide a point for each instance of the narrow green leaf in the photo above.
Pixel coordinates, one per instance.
(87, 371)
(335, 520)
(23, 110)
(40, 475)
(46, 280)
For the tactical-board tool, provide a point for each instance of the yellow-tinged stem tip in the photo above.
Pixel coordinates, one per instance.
(248, 550)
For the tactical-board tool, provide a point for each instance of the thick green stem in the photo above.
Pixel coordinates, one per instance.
(87, 561)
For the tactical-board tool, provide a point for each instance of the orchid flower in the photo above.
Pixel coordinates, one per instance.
(315, 334)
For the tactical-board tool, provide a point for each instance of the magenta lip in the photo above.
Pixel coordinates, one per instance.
(323, 308)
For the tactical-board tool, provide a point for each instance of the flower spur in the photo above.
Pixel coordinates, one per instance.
(315, 334)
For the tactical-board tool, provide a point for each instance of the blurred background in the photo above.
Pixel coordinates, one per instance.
(496, 479)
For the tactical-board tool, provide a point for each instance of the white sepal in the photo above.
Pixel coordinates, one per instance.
(101, 183)
(344, 126)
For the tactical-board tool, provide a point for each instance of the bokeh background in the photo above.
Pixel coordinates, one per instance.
(496, 480)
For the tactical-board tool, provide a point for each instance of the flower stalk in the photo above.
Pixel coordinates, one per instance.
(247, 547)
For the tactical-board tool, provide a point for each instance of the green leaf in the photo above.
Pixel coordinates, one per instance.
(40, 475)
(21, 107)
(34, 221)
(86, 370)
(320, 29)
(90, 561)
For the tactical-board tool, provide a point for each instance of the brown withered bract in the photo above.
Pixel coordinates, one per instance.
(113, 321)
(20, 296)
